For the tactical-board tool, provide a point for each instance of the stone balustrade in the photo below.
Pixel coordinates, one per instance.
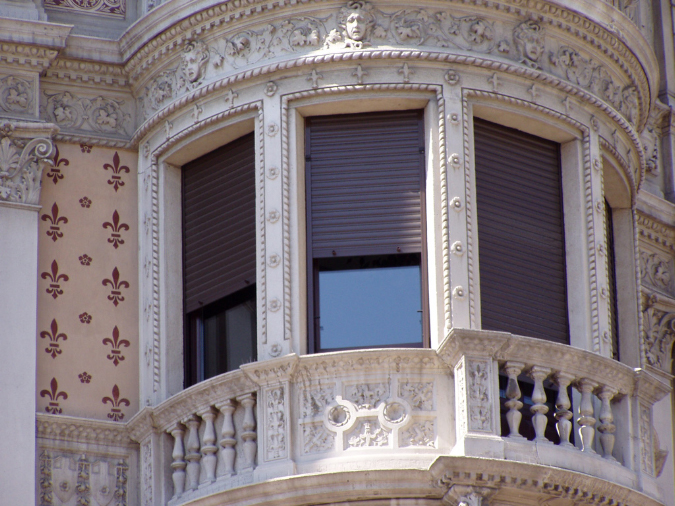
(405, 408)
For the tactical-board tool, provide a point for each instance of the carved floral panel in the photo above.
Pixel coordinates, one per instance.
(87, 305)
(109, 8)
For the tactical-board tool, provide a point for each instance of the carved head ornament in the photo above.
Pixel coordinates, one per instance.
(356, 20)
(528, 37)
(195, 56)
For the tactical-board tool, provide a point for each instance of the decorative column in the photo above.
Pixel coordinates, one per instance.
(275, 458)
(586, 420)
(25, 149)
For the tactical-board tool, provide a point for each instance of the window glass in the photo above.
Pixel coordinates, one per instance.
(369, 301)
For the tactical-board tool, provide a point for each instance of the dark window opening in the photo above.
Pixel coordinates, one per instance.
(523, 279)
(222, 335)
(611, 281)
(365, 178)
(219, 260)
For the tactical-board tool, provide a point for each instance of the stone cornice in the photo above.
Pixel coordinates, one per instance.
(48, 35)
(85, 72)
(655, 217)
(81, 430)
(515, 478)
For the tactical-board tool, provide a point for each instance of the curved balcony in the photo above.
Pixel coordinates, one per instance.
(487, 395)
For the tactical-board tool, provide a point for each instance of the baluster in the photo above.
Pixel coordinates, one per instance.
(606, 427)
(513, 416)
(193, 456)
(248, 434)
(178, 464)
(227, 440)
(563, 405)
(539, 409)
(586, 420)
(209, 447)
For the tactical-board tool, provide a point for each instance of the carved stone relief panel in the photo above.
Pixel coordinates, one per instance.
(398, 412)
(658, 332)
(108, 8)
(74, 112)
(66, 478)
(658, 271)
(17, 95)
(275, 423)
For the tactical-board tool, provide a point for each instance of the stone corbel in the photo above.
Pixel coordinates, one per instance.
(25, 151)
(466, 495)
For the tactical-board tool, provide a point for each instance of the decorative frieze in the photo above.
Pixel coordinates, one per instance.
(99, 115)
(109, 8)
(360, 26)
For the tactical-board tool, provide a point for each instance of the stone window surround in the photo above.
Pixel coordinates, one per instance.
(462, 309)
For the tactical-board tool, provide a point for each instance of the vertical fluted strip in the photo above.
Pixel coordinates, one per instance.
(154, 185)
(445, 223)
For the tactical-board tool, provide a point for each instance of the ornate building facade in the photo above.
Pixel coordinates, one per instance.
(501, 170)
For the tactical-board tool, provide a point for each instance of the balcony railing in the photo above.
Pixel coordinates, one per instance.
(405, 408)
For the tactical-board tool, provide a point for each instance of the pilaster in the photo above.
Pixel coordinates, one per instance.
(24, 148)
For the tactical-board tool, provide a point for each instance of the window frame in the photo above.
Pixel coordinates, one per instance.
(312, 263)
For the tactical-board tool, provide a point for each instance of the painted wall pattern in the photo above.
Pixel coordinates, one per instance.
(87, 337)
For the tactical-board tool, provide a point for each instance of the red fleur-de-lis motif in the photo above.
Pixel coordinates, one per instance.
(54, 396)
(55, 173)
(116, 343)
(54, 229)
(54, 289)
(115, 237)
(116, 285)
(116, 180)
(115, 412)
(54, 336)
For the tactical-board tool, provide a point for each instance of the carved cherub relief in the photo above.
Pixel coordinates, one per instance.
(355, 23)
(528, 38)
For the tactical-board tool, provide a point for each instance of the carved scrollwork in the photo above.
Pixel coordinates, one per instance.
(316, 439)
(658, 335)
(21, 166)
(657, 271)
(102, 115)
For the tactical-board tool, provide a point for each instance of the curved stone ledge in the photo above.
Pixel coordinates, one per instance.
(322, 414)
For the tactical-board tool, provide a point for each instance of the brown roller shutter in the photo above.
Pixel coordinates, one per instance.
(219, 223)
(364, 174)
(520, 233)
